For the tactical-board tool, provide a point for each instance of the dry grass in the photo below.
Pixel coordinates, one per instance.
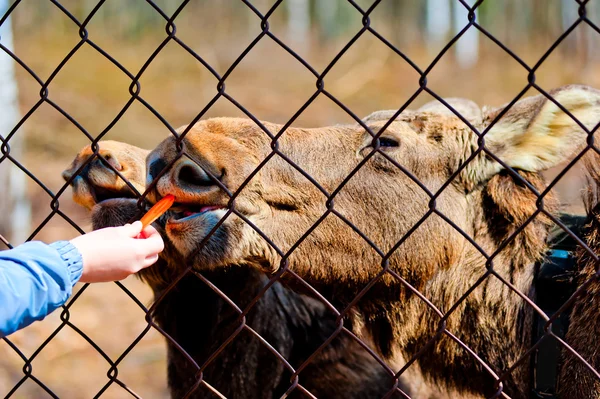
(270, 83)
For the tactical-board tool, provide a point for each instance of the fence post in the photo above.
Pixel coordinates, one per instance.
(15, 209)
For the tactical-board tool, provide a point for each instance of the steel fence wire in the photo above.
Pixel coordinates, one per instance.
(295, 384)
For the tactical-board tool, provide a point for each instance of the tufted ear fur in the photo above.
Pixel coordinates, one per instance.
(535, 134)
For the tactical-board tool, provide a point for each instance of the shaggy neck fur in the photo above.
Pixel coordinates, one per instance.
(576, 380)
(485, 321)
(295, 325)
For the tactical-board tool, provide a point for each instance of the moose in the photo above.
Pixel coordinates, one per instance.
(441, 233)
(199, 320)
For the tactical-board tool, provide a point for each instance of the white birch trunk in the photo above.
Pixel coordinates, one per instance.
(438, 24)
(15, 208)
(467, 47)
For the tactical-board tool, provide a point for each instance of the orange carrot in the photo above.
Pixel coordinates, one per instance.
(157, 210)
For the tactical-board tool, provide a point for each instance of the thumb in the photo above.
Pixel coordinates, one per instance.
(134, 229)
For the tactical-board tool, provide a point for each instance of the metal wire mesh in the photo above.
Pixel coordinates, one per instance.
(295, 384)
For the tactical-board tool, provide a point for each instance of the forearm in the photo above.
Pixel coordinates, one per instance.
(35, 279)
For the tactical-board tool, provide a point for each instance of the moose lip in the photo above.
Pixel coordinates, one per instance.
(100, 194)
(182, 214)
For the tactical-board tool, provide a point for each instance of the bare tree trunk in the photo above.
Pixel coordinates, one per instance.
(326, 14)
(569, 46)
(438, 22)
(467, 47)
(591, 36)
(15, 209)
(298, 23)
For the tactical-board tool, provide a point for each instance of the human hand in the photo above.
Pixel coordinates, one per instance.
(113, 253)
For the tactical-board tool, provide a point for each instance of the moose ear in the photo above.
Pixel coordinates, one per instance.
(536, 134)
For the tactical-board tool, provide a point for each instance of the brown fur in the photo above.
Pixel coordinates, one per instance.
(584, 328)
(483, 201)
(200, 321)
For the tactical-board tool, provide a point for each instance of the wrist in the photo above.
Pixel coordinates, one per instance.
(72, 258)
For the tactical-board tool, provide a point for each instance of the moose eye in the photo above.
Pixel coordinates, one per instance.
(387, 142)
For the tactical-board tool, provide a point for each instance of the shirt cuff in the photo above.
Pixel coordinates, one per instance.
(72, 258)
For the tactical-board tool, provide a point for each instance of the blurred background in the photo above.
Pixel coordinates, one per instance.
(268, 82)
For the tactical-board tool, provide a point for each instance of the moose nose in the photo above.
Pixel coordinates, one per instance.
(109, 157)
(190, 176)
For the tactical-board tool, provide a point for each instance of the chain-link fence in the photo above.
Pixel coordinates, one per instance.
(337, 302)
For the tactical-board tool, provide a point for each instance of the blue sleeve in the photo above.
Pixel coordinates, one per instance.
(35, 279)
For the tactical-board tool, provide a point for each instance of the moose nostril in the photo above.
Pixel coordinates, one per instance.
(193, 175)
(111, 159)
